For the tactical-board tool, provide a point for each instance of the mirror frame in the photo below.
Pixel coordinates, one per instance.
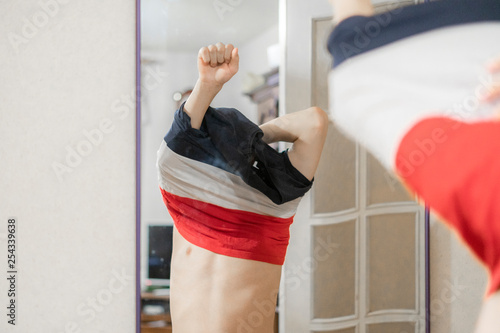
(138, 167)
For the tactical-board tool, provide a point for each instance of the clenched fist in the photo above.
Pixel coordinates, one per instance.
(217, 64)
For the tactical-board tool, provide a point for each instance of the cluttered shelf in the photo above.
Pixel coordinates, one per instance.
(155, 313)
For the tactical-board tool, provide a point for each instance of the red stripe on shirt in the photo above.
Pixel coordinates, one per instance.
(455, 168)
(230, 232)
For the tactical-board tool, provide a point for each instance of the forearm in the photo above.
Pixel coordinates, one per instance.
(307, 130)
(198, 102)
(293, 126)
(277, 130)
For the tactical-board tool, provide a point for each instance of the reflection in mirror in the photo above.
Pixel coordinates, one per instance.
(172, 32)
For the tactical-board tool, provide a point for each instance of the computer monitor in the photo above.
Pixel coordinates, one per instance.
(159, 254)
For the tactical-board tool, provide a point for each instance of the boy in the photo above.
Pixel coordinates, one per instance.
(232, 199)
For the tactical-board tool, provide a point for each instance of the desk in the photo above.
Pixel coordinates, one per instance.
(157, 323)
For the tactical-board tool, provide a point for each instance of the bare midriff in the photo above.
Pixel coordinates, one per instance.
(213, 293)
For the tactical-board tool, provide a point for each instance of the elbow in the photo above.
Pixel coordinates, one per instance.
(318, 120)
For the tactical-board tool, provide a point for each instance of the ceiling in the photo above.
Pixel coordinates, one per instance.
(187, 25)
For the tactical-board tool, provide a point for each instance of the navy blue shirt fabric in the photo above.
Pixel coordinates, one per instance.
(230, 141)
(358, 34)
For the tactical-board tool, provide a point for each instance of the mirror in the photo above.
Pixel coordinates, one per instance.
(172, 34)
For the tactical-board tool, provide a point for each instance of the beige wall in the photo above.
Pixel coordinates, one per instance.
(67, 170)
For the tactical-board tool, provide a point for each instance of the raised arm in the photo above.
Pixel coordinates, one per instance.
(307, 130)
(217, 64)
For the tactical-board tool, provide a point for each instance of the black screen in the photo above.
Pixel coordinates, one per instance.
(160, 251)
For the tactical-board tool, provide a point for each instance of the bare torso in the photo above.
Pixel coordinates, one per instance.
(212, 293)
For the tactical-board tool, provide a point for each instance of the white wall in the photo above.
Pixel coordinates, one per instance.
(458, 282)
(171, 72)
(71, 76)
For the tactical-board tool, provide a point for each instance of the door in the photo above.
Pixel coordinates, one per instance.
(356, 261)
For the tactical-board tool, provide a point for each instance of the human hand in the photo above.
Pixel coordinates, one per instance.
(493, 93)
(217, 64)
